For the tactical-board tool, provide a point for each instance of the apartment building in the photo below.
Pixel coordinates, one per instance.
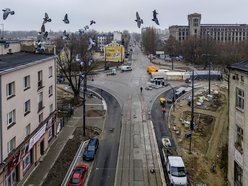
(225, 33)
(238, 124)
(27, 112)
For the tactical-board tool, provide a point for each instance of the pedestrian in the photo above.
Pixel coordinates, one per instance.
(141, 89)
(163, 109)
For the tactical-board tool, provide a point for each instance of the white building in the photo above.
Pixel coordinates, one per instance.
(117, 36)
(101, 42)
(27, 112)
(238, 124)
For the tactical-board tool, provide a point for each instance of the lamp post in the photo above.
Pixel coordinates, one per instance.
(172, 62)
(84, 101)
(209, 77)
(192, 112)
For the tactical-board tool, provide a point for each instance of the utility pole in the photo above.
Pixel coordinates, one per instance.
(209, 77)
(84, 102)
(192, 112)
(172, 63)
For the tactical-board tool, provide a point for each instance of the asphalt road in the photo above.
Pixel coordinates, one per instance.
(104, 167)
(131, 148)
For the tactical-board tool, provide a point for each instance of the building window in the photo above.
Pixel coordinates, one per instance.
(39, 79)
(26, 107)
(50, 91)
(26, 82)
(239, 139)
(51, 108)
(10, 89)
(11, 145)
(40, 101)
(40, 117)
(11, 178)
(242, 78)
(50, 71)
(240, 98)
(238, 174)
(11, 118)
(26, 162)
(27, 130)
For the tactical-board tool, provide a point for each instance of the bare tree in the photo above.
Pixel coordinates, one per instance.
(74, 61)
(150, 40)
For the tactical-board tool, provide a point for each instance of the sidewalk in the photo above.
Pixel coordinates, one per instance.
(39, 173)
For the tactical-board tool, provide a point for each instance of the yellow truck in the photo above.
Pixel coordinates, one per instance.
(151, 69)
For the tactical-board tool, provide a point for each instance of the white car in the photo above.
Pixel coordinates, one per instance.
(176, 171)
(126, 68)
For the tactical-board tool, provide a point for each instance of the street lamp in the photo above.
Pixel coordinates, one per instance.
(192, 112)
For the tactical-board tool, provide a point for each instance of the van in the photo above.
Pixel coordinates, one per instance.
(176, 171)
(126, 68)
(158, 78)
(151, 69)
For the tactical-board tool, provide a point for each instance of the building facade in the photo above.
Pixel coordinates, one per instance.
(225, 33)
(27, 112)
(101, 42)
(238, 124)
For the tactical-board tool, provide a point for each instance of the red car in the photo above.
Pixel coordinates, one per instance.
(77, 176)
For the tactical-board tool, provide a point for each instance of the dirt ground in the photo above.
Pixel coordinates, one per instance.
(209, 138)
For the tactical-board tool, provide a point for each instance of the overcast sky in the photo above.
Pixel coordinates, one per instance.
(118, 15)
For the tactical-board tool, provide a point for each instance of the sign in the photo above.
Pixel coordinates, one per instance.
(37, 136)
(114, 53)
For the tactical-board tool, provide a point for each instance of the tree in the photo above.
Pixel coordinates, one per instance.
(172, 47)
(150, 40)
(74, 61)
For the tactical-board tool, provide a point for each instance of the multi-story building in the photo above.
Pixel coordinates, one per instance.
(238, 124)
(101, 42)
(117, 36)
(27, 112)
(226, 33)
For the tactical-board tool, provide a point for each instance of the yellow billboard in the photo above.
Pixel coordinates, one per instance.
(114, 52)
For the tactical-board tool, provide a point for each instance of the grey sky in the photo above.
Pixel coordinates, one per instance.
(118, 15)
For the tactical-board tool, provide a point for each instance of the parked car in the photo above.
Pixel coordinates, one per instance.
(78, 175)
(90, 150)
(176, 171)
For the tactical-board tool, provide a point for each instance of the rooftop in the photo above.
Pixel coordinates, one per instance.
(14, 60)
(242, 66)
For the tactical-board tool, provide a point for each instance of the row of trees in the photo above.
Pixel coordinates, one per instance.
(196, 49)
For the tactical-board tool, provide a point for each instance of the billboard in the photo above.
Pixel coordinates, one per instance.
(114, 53)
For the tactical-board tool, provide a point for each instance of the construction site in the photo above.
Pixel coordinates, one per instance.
(203, 149)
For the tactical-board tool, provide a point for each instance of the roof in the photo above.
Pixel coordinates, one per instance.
(10, 61)
(242, 66)
(176, 161)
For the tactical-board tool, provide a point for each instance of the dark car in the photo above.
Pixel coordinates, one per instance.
(90, 149)
(78, 175)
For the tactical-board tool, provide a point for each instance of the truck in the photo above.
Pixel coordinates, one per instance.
(176, 171)
(151, 69)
